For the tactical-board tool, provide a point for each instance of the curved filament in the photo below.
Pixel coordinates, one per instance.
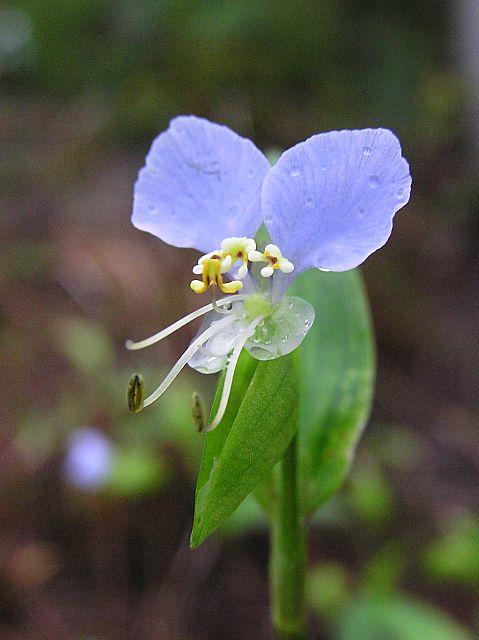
(217, 327)
(243, 337)
(181, 323)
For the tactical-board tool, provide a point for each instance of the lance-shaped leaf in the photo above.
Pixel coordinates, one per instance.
(260, 421)
(336, 379)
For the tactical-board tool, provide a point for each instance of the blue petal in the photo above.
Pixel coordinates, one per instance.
(329, 202)
(201, 184)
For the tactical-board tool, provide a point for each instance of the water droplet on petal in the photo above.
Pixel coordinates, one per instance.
(151, 207)
(373, 181)
(400, 193)
(283, 331)
(250, 173)
(309, 202)
(367, 151)
(323, 168)
(294, 171)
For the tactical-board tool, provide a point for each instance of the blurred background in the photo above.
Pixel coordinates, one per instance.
(95, 503)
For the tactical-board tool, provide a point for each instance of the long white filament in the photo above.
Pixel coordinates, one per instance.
(233, 361)
(181, 323)
(217, 327)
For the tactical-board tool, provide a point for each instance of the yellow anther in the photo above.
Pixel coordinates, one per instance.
(224, 259)
(238, 249)
(275, 259)
(212, 271)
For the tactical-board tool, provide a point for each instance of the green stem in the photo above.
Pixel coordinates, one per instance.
(287, 553)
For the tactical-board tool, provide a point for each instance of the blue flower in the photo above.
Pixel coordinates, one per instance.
(89, 458)
(327, 203)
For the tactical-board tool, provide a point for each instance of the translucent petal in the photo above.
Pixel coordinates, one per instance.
(201, 184)
(283, 331)
(212, 355)
(329, 202)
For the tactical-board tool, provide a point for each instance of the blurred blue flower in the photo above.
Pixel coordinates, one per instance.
(89, 458)
(328, 203)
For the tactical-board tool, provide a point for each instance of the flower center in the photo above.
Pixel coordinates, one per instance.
(213, 265)
(252, 321)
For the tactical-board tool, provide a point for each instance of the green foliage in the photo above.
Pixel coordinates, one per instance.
(371, 496)
(327, 588)
(149, 60)
(384, 570)
(260, 421)
(455, 556)
(396, 619)
(336, 374)
(87, 345)
(248, 517)
(135, 472)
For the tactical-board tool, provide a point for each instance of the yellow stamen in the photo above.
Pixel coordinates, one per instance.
(238, 249)
(212, 276)
(273, 256)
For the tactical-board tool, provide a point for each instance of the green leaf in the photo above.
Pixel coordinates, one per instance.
(336, 378)
(260, 421)
(136, 473)
(396, 619)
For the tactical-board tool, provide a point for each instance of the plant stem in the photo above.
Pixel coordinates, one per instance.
(287, 552)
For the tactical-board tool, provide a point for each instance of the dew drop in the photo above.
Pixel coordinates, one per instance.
(309, 202)
(323, 168)
(151, 207)
(268, 218)
(284, 339)
(400, 193)
(294, 171)
(373, 181)
(367, 151)
(250, 173)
